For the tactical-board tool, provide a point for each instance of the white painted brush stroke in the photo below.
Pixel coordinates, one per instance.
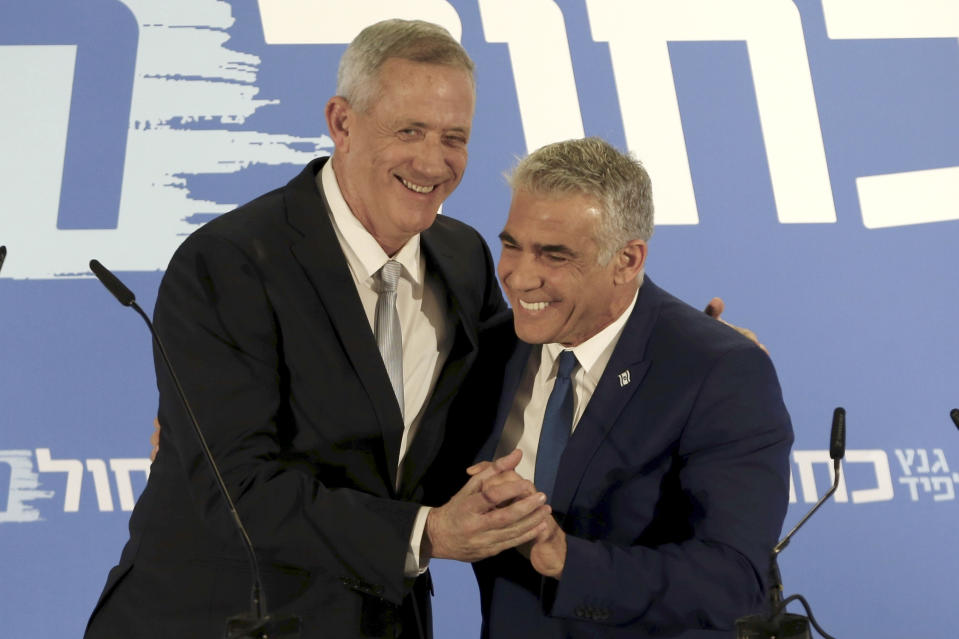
(185, 71)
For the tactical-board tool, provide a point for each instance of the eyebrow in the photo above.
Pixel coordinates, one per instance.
(560, 249)
(423, 125)
(557, 248)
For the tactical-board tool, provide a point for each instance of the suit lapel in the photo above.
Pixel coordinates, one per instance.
(319, 253)
(621, 379)
(442, 263)
(511, 379)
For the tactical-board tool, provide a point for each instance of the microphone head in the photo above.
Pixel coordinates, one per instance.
(837, 437)
(120, 291)
(954, 413)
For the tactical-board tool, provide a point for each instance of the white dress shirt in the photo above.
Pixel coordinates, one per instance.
(525, 419)
(424, 320)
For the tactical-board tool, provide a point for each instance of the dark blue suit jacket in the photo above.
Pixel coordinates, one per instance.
(672, 490)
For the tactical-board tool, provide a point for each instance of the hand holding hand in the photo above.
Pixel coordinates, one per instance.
(548, 551)
(495, 510)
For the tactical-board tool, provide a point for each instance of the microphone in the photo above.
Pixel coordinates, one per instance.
(776, 623)
(954, 413)
(837, 450)
(3, 255)
(257, 624)
(837, 436)
(116, 287)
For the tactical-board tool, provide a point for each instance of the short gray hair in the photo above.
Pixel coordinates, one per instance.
(415, 40)
(594, 168)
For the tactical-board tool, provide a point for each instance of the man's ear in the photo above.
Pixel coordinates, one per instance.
(630, 261)
(339, 119)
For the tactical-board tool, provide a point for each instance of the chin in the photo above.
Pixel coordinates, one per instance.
(530, 335)
(420, 221)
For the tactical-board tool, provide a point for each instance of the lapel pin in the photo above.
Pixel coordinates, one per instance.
(624, 378)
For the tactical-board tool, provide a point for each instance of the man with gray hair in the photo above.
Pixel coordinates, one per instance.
(321, 332)
(659, 435)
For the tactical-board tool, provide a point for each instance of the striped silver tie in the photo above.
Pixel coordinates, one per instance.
(389, 337)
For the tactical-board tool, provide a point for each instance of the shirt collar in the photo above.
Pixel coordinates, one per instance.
(593, 354)
(370, 256)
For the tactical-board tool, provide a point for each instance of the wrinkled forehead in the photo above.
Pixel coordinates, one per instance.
(553, 218)
(390, 66)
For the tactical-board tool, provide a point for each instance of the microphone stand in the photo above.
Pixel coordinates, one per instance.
(257, 624)
(776, 623)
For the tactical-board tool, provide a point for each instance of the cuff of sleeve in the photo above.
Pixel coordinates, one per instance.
(580, 593)
(416, 562)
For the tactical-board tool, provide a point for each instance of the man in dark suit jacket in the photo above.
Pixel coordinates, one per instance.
(267, 313)
(673, 486)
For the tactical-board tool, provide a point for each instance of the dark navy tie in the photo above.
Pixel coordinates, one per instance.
(557, 424)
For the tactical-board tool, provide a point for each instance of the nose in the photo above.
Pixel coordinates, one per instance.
(519, 273)
(430, 158)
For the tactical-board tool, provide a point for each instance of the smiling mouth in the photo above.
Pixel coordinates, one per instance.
(533, 306)
(416, 188)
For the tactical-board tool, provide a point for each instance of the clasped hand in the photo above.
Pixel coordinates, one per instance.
(496, 510)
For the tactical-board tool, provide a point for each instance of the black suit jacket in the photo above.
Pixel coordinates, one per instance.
(672, 489)
(265, 328)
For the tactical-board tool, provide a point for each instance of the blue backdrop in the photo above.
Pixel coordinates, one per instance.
(805, 161)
